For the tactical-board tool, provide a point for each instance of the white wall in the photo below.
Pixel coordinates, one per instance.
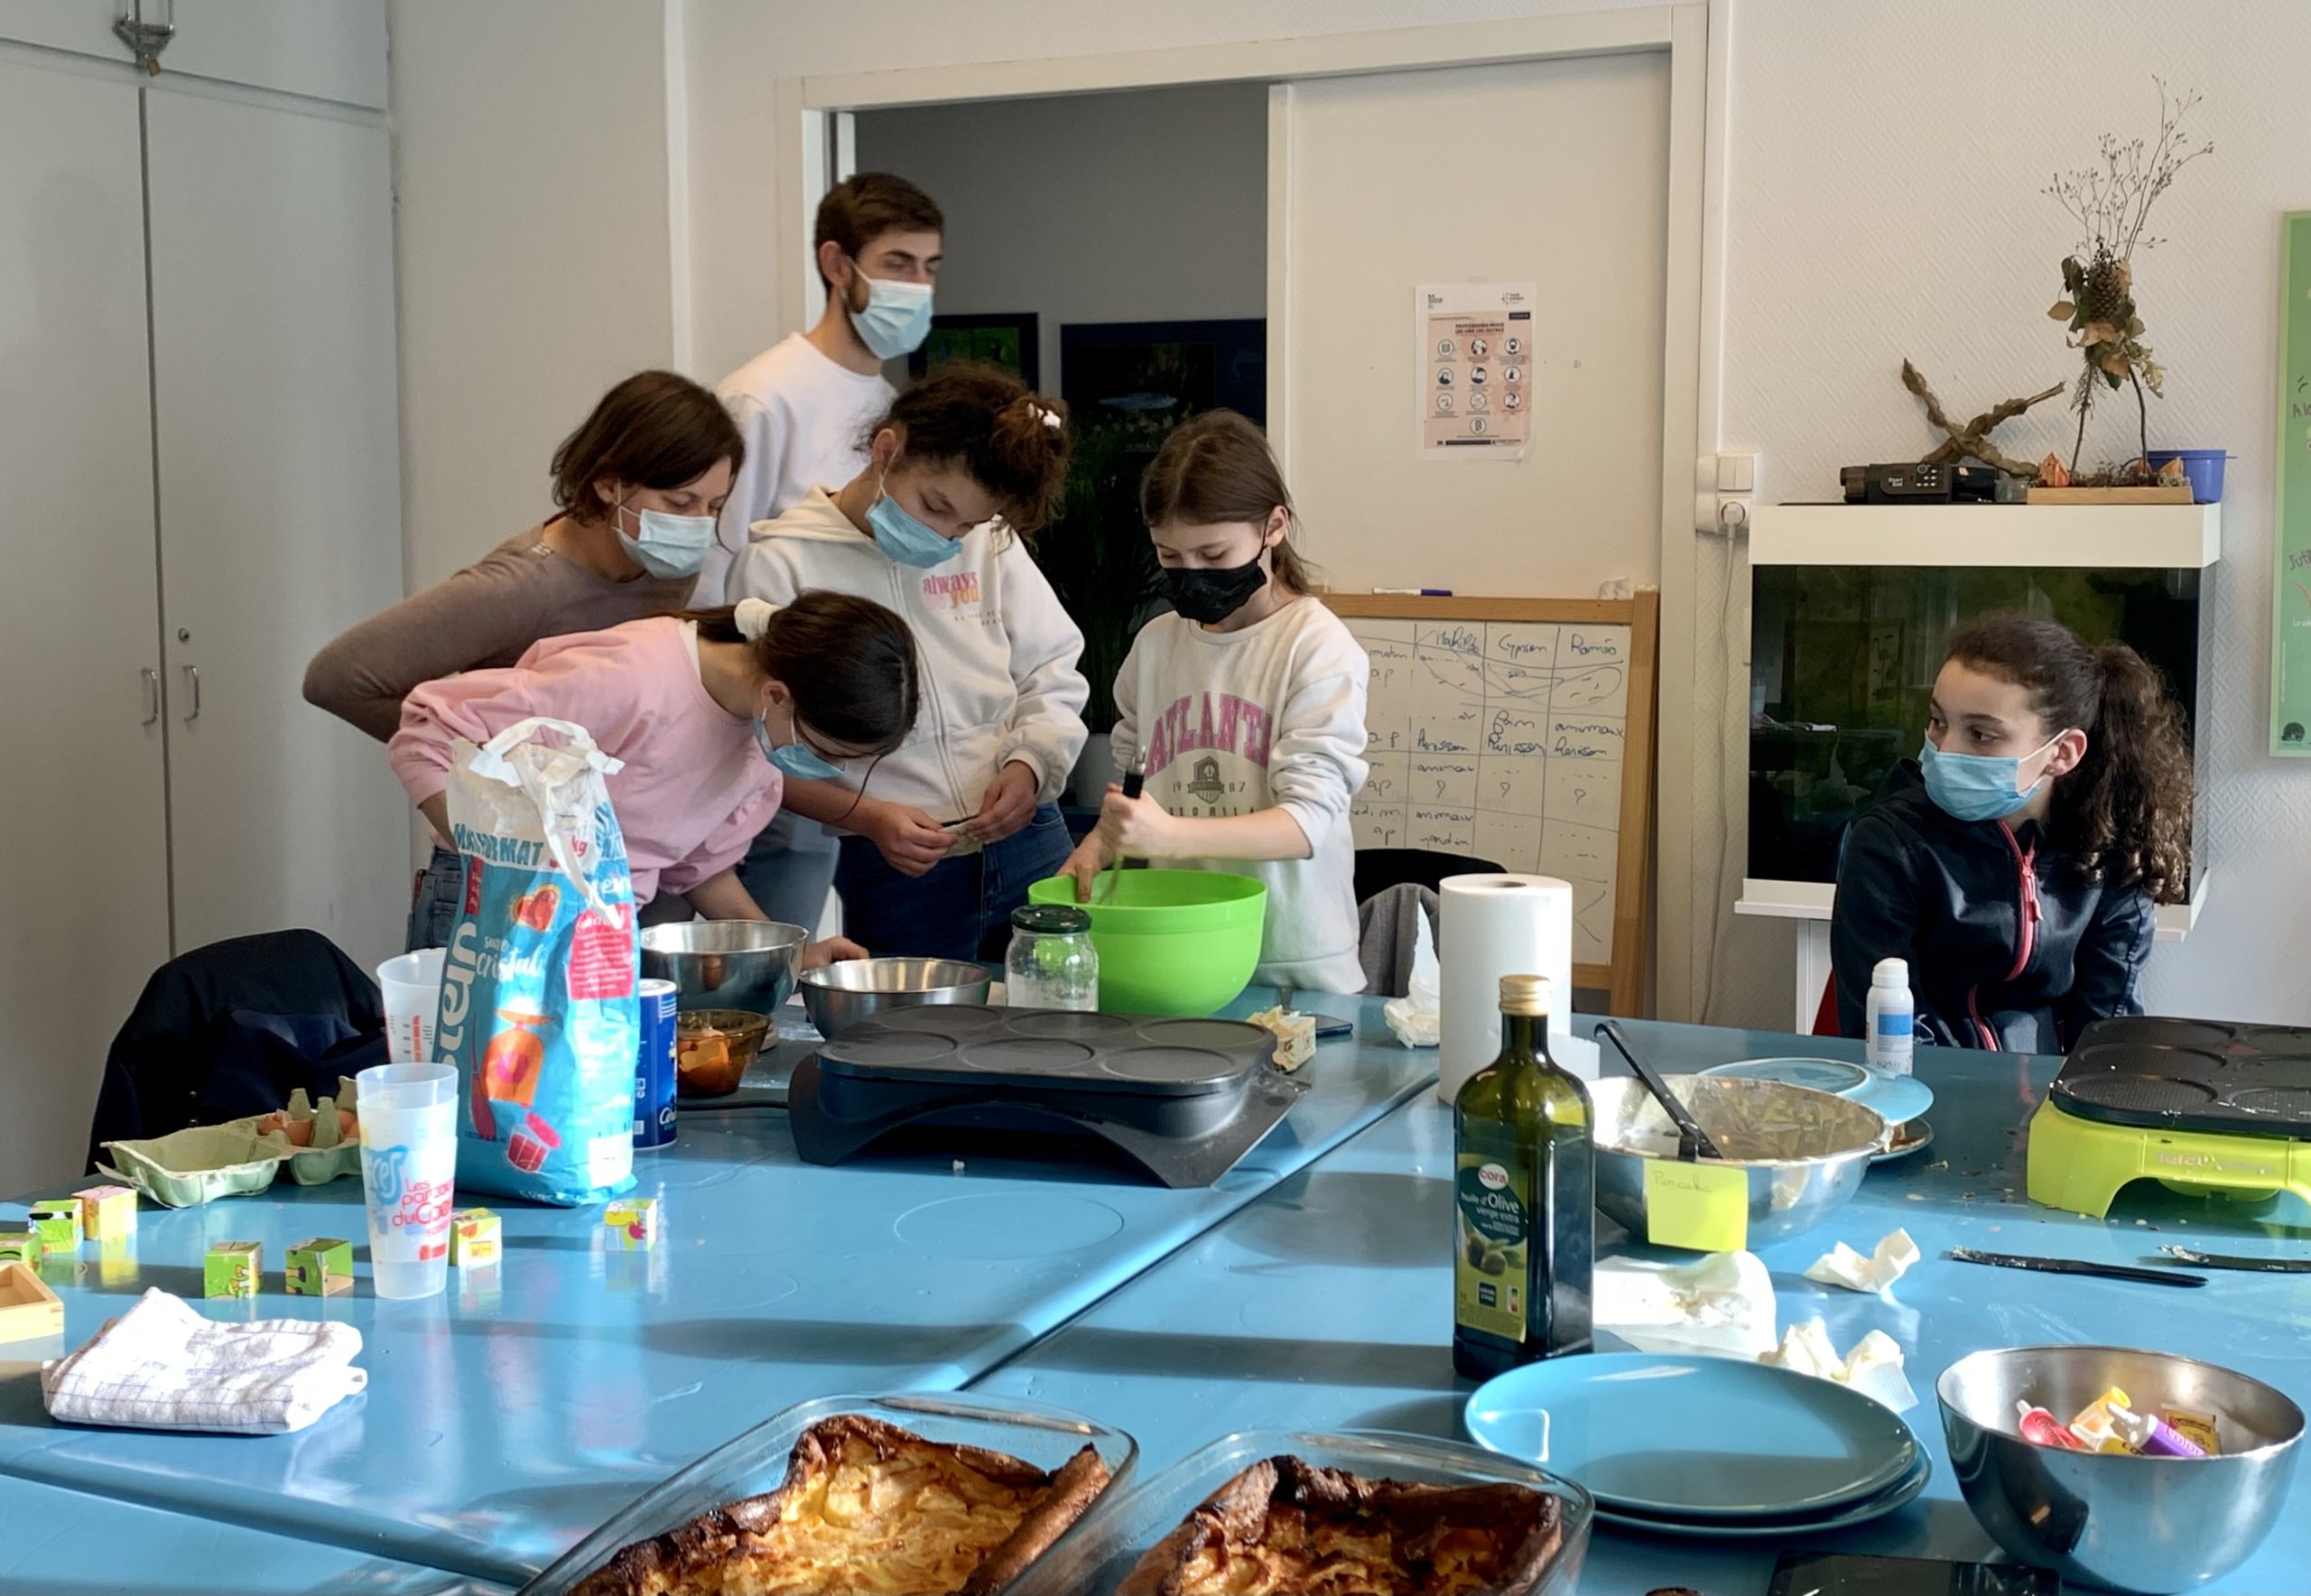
(1835, 111)
(532, 247)
(1142, 207)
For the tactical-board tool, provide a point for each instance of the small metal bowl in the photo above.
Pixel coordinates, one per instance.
(742, 1036)
(839, 996)
(746, 964)
(1806, 1151)
(2146, 1525)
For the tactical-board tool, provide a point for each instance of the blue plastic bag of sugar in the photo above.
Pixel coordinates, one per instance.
(539, 1009)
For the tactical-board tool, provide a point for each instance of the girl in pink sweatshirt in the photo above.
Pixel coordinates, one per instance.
(708, 712)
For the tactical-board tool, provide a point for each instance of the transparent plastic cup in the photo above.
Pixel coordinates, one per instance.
(409, 1161)
(411, 983)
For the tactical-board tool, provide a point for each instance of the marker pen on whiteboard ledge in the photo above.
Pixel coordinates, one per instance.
(1413, 592)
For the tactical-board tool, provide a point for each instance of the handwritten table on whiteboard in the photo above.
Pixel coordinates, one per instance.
(1502, 740)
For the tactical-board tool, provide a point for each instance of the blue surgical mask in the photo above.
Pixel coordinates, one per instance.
(794, 759)
(906, 539)
(895, 320)
(1977, 787)
(668, 545)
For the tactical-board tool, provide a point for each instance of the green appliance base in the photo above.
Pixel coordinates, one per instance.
(2082, 1164)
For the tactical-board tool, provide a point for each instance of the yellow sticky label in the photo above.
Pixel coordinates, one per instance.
(1702, 1206)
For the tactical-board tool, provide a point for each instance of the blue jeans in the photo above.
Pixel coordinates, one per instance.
(788, 868)
(961, 909)
(440, 895)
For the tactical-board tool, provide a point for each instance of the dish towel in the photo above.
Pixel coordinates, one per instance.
(163, 1365)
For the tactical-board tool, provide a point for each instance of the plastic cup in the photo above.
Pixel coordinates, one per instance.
(409, 1163)
(411, 983)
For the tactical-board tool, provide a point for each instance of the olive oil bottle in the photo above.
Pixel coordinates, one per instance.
(1524, 1186)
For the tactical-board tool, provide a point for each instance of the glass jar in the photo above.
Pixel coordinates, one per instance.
(1052, 963)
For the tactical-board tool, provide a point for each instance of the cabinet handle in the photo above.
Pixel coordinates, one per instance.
(193, 692)
(152, 695)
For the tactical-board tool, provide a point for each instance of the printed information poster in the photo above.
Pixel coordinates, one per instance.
(1476, 368)
(2291, 588)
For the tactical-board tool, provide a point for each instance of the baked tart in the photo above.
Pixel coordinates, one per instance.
(866, 1509)
(1285, 1527)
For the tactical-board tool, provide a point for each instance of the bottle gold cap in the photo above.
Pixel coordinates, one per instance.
(1525, 994)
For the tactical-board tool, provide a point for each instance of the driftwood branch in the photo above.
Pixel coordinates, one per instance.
(1973, 439)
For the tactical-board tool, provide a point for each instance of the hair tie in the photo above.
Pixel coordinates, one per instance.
(1050, 418)
(752, 618)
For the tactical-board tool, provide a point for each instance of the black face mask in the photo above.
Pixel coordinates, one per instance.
(1210, 596)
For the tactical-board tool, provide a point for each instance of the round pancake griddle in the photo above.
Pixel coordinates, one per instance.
(2191, 1075)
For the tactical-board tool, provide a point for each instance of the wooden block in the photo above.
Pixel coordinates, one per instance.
(107, 1212)
(21, 1244)
(475, 1238)
(321, 1267)
(27, 1307)
(632, 1223)
(2164, 493)
(58, 1220)
(233, 1269)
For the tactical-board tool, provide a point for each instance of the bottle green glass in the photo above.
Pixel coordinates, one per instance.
(1524, 1193)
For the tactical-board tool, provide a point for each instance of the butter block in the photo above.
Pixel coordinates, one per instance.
(1294, 1034)
(632, 1223)
(107, 1212)
(233, 1269)
(58, 1220)
(321, 1267)
(475, 1238)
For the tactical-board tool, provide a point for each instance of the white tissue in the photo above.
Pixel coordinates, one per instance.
(1874, 1367)
(1844, 1266)
(1413, 1017)
(1723, 1303)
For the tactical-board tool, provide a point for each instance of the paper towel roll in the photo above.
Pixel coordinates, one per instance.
(1490, 926)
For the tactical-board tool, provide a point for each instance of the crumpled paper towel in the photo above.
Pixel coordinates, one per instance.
(1844, 1266)
(1723, 1303)
(1874, 1367)
(1414, 1017)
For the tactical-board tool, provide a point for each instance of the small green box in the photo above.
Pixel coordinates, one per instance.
(58, 1220)
(233, 1269)
(20, 1244)
(322, 1267)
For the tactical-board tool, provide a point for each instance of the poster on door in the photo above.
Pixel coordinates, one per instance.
(1475, 343)
(2291, 592)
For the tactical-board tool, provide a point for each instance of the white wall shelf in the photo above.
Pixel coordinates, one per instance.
(2164, 537)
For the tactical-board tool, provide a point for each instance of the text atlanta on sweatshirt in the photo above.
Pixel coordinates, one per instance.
(1271, 716)
(999, 677)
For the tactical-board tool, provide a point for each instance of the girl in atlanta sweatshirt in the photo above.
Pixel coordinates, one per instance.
(964, 817)
(1245, 708)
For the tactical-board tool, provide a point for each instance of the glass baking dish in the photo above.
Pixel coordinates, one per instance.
(755, 1462)
(1095, 1556)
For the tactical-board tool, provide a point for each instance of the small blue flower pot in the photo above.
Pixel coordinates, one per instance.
(2202, 467)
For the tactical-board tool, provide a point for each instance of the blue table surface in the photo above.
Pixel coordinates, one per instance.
(68, 1543)
(507, 1419)
(1326, 1304)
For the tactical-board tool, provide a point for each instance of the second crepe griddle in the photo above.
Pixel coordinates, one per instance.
(2183, 1074)
(1184, 1098)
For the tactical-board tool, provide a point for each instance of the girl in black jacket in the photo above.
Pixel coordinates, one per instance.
(2017, 862)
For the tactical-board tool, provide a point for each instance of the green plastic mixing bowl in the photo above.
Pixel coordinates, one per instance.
(1172, 942)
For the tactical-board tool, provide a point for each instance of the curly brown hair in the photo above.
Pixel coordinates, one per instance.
(1008, 438)
(2124, 814)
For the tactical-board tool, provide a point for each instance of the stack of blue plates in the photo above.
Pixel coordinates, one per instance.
(1704, 1446)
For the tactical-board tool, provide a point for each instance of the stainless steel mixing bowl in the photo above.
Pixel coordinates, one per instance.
(1806, 1151)
(839, 996)
(747, 964)
(2137, 1524)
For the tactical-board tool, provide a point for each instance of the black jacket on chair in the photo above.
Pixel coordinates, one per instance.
(2011, 947)
(231, 1029)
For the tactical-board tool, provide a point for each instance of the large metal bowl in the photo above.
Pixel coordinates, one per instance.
(2138, 1523)
(839, 996)
(747, 964)
(1806, 1151)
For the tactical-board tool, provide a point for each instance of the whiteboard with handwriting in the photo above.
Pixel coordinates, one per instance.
(1502, 740)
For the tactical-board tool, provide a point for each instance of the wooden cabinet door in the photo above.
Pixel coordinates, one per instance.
(280, 511)
(84, 904)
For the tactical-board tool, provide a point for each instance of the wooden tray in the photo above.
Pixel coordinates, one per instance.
(27, 1307)
(2169, 492)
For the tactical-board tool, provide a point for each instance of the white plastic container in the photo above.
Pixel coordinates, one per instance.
(1890, 1016)
(409, 1165)
(412, 984)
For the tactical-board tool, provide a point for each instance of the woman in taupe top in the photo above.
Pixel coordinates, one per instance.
(638, 487)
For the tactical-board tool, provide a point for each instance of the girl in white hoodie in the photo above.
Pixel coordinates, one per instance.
(1245, 708)
(965, 816)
